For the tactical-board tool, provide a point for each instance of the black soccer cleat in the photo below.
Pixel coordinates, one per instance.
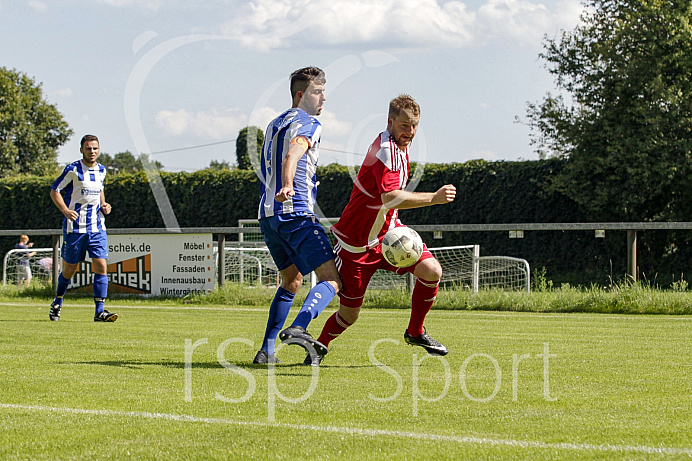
(54, 312)
(313, 361)
(106, 316)
(426, 342)
(263, 359)
(298, 335)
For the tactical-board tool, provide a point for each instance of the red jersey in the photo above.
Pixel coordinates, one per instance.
(365, 219)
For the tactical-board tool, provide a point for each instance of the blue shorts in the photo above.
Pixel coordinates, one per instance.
(296, 240)
(75, 246)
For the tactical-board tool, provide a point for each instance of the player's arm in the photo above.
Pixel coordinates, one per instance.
(401, 199)
(299, 145)
(60, 203)
(105, 207)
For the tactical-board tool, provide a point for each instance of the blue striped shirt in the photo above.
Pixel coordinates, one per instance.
(81, 189)
(277, 139)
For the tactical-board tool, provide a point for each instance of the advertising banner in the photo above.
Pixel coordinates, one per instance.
(155, 265)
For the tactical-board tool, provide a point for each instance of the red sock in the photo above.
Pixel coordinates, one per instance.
(424, 293)
(334, 326)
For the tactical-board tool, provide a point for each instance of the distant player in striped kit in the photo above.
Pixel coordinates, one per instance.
(373, 208)
(78, 194)
(292, 231)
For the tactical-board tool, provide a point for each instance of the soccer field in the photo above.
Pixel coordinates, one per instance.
(176, 382)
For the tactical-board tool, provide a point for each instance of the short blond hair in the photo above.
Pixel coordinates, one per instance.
(23, 238)
(402, 102)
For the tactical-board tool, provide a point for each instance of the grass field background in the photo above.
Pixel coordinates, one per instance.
(612, 387)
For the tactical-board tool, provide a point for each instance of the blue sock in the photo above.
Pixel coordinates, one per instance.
(63, 283)
(281, 305)
(318, 298)
(100, 291)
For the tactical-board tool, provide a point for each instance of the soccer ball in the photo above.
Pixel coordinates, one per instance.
(402, 247)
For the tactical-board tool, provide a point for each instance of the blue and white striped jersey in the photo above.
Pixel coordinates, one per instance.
(294, 122)
(81, 189)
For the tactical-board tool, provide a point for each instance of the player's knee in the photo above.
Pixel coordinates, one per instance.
(431, 270)
(68, 269)
(99, 266)
(327, 272)
(349, 314)
(337, 285)
(292, 285)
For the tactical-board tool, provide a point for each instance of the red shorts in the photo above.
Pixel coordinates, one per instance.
(356, 270)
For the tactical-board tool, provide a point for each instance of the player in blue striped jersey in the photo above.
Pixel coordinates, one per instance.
(292, 232)
(78, 194)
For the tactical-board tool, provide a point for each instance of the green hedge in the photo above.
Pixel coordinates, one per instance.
(487, 193)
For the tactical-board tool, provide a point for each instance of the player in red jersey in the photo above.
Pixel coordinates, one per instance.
(377, 196)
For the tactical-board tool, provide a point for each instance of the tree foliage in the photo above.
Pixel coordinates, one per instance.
(125, 162)
(248, 143)
(624, 119)
(219, 165)
(31, 129)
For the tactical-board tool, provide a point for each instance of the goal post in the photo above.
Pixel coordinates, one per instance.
(462, 265)
(504, 272)
(39, 260)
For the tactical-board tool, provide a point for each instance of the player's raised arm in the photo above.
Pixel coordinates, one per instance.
(401, 199)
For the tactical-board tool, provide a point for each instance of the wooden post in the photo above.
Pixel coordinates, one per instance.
(632, 254)
(221, 270)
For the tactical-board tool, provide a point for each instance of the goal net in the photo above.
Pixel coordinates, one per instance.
(251, 265)
(459, 270)
(462, 268)
(504, 272)
(38, 260)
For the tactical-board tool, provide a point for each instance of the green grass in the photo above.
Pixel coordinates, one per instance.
(618, 298)
(623, 298)
(618, 386)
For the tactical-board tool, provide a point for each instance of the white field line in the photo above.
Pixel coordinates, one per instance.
(363, 432)
(379, 311)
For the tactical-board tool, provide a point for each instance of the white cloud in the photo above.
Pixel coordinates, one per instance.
(214, 125)
(269, 24)
(523, 20)
(64, 93)
(333, 126)
(262, 116)
(150, 4)
(39, 7)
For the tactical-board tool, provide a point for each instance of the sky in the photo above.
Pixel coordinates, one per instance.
(178, 79)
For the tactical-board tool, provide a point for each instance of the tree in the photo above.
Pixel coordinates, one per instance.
(627, 133)
(219, 165)
(249, 142)
(124, 162)
(31, 129)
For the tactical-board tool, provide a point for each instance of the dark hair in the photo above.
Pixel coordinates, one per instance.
(401, 102)
(86, 138)
(301, 78)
